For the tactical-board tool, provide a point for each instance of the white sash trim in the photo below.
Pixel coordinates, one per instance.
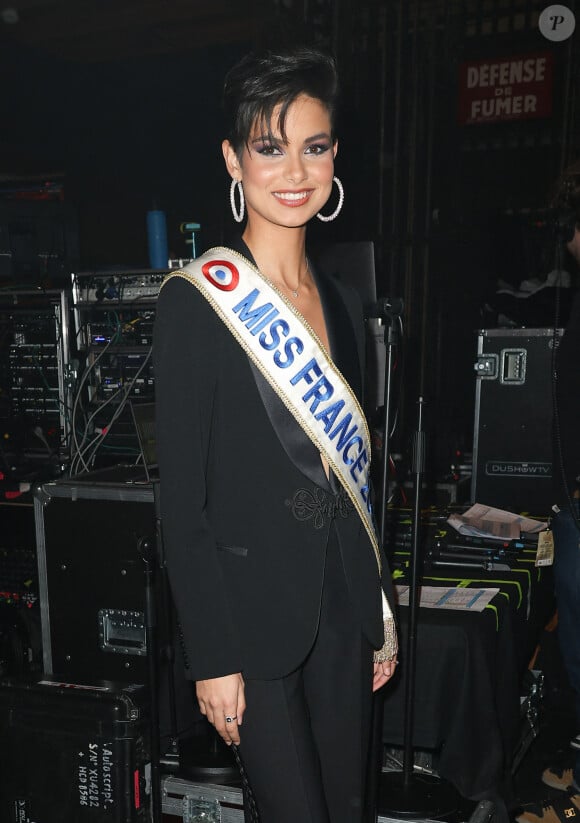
(287, 351)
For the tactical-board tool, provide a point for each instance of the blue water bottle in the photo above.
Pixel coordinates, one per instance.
(157, 239)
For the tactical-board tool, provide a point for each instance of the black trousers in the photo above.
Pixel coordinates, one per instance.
(304, 739)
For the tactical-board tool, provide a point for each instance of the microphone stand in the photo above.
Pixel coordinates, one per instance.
(418, 471)
(406, 794)
(387, 311)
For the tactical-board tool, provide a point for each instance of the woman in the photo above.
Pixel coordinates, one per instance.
(264, 464)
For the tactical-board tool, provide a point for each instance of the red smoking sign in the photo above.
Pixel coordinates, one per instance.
(507, 88)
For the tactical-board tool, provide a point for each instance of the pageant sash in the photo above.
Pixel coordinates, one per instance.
(287, 351)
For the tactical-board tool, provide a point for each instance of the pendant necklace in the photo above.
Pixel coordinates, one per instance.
(294, 292)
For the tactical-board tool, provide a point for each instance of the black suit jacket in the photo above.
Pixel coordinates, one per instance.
(245, 504)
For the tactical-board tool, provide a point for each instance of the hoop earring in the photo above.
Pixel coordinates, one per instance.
(326, 218)
(238, 215)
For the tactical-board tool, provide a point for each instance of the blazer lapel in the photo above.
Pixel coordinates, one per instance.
(293, 439)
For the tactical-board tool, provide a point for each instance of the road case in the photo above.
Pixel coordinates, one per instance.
(190, 801)
(73, 754)
(93, 534)
(512, 449)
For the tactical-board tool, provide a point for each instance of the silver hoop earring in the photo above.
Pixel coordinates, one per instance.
(326, 218)
(238, 215)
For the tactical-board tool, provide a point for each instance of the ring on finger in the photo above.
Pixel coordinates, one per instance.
(230, 719)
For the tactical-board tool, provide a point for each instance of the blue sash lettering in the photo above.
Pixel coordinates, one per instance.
(257, 319)
(350, 460)
(364, 493)
(321, 390)
(344, 436)
(330, 414)
(263, 323)
(244, 306)
(288, 345)
(304, 373)
(277, 324)
(356, 465)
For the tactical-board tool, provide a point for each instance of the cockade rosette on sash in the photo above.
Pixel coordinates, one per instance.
(287, 351)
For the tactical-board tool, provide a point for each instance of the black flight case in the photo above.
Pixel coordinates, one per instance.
(93, 534)
(73, 754)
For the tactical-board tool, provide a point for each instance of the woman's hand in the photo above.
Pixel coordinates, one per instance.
(383, 672)
(222, 701)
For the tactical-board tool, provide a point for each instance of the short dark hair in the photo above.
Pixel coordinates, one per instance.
(261, 81)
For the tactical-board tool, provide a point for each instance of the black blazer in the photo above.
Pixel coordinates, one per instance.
(246, 509)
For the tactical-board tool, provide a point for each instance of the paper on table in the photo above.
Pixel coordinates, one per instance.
(485, 521)
(441, 597)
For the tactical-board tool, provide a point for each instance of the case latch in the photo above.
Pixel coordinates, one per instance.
(486, 366)
(199, 810)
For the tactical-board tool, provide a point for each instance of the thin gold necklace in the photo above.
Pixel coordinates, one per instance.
(294, 292)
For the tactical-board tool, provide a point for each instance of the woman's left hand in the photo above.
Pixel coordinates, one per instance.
(383, 672)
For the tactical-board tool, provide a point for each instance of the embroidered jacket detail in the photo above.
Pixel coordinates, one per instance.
(319, 506)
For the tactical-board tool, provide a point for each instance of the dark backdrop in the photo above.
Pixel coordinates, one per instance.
(443, 203)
